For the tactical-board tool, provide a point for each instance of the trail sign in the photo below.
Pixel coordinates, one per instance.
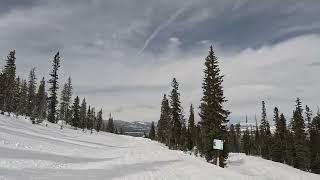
(218, 144)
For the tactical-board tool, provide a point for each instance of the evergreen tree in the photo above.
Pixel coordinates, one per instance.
(308, 113)
(89, 119)
(191, 129)
(238, 138)
(176, 115)
(281, 140)
(300, 159)
(16, 99)
(9, 77)
(93, 118)
(246, 144)
(278, 138)
(76, 113)
(23, 98)
(184, 138)
(52, 100)
(290, 148)
(315, 144)
(83, 114)
(232, 138)
(164, 121)
(265, 134)
(63, 105)
(32, 94)
(257, 139)
(121, 131)
(213, 115)
(41, 102)
(110, 126)
(99, 121)
(199, 141)
(65, 101)
(2, 90)
(152, 132)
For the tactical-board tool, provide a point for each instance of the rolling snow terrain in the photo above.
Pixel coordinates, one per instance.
(38, 152)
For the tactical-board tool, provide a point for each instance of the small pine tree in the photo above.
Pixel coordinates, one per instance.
(315, 144)
(83, 114)
(89, 119)
(16, 98)
(23, 98)
(52, 100)
(41, 102)
(152, 132)
(257, 139)
(246, 144)
(76, 113)
(164, 121)
(191, 129)
(65, 102)
(237, 143)
(232, 138)
(32, 94)
(184, 138)
(121, 131)
(110, 126)
(99, 121)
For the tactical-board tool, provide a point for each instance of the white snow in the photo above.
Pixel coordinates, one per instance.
(38, 152)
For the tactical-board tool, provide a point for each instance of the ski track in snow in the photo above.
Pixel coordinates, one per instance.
(38, 152)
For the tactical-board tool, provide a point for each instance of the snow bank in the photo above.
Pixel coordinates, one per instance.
(47, 152)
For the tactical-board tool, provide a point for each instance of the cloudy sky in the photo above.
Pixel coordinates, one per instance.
(123, 54)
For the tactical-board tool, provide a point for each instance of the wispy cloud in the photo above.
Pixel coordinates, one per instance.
(266, 49)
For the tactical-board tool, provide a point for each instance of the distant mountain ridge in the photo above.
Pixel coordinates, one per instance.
(135, 128)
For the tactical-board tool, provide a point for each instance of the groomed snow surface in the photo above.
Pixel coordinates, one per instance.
(38, 152)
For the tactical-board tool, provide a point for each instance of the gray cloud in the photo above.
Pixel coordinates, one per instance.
(125, 54)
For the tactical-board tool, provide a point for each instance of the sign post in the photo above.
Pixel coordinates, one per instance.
(218, 145)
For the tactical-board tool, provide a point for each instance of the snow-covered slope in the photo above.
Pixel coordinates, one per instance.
(38, 152)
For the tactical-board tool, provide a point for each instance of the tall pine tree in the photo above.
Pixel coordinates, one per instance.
(213, 115)
(265, 134)
(9, 77)
(52, 100)
(300, 159)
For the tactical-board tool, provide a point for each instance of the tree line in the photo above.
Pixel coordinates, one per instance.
(296, 143)
(178, 133)
(22, 97)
